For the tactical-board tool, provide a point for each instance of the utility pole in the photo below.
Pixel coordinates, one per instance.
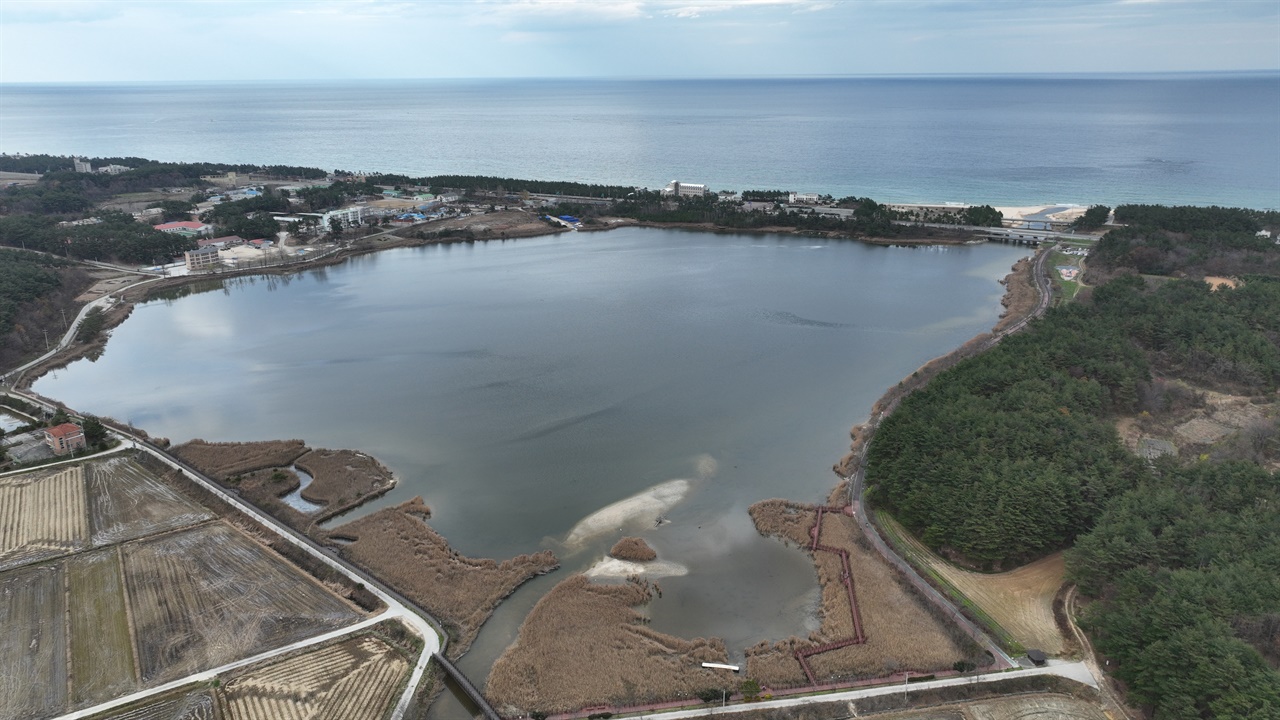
(46, 340)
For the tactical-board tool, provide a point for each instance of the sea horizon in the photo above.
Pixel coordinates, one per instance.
(1197, 138)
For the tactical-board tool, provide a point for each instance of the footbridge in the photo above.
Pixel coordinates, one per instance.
(467, 687)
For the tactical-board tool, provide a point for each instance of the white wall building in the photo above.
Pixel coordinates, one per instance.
(350, 217)
(810, 198)
(81, 165)
(682, 189)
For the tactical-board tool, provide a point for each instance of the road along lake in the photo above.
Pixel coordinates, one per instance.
(563, 391)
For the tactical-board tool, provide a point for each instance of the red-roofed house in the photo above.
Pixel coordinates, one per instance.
(64, 438)
(185, 227)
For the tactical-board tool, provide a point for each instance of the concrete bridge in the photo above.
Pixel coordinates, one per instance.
(467, 688)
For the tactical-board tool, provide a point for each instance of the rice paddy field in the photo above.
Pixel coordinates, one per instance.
(112, 581)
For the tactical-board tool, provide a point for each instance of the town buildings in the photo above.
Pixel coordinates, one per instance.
(189, 228)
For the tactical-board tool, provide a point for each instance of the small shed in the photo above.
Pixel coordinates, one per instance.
(1037, 657)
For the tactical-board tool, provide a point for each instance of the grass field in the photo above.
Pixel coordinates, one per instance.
(1018, 602)
(585, 645)
(102, 662)
(33, 642)
(43, 514)
(127, 502)
(208, 595)
(341, 477)
(353, 680)
(1066, 289)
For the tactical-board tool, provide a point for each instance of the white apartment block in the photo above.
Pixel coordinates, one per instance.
(682, 189)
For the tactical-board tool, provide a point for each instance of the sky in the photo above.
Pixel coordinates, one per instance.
(237, 40)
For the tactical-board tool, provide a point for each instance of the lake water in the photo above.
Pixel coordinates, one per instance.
(521, 386)
(1176, 139)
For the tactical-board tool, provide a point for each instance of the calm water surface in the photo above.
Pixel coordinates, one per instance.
(520, 387)
(1177, 139)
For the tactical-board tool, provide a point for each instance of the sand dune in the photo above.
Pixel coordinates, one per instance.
(640, 510)
(615, 568)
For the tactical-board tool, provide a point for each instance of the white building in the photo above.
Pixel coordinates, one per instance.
(350, 217)
(681, 189)
(114, 169)
(81, 165)
(809, 198)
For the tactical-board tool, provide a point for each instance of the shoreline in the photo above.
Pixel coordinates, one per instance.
(128, 298)
(142, 294)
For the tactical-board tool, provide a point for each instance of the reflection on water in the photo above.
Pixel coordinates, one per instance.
(562, 392)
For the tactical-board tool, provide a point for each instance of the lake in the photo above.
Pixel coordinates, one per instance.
(521, 386)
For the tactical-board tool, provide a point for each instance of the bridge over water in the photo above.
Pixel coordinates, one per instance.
(467, 687)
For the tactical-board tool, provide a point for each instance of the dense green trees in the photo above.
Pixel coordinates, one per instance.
(118, 237)
(1193, 240)
(24, 276)
(470, 183)
(1093, 218)
(1187, 569)
(982, 216)
(1012, 454)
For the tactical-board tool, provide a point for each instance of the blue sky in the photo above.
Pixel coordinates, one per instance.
(217, 40)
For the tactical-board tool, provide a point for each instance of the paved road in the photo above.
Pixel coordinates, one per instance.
(1073, 671)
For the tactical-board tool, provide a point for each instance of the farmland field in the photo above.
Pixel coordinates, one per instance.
(128, 502)
(205, 596)
(33, 642)
(42, 515)
(102, 662)
(354, 680)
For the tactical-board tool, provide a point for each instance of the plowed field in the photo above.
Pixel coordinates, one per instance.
(128, 502)
(102, 663)
(33, 642)
(42, 515)
(353, 680)
(209, 595)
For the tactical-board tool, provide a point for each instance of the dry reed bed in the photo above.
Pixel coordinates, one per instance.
(397, 546)
(585, 645)
(221, 461)
(901, 631)
(633, 549)
(343, 477)
(1020, 294)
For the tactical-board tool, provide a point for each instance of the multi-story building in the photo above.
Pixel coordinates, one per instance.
(201, 258)
(683, 189)
(64, 438)
(81, 165)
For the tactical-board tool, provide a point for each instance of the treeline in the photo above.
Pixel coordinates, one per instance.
(1012, 454)
(1186, 567)
(35, 292)
(1193, 240)
(42, 164)
(472, 183)
(117, 237)
(869, 218)
(319, 199)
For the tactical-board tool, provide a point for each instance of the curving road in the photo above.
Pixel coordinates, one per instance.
(857, 488)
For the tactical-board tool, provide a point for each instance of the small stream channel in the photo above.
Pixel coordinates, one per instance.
(295, 499)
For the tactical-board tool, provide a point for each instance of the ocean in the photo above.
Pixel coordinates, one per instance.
(1178, 139)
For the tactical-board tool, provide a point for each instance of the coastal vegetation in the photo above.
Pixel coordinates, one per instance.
(1093, 218)
(585, 644)
(1013, 454)
(901, 629)
(501, 186)
(117, 237)
(397, 546)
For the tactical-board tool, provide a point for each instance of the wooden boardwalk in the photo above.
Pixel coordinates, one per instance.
(461, 681)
